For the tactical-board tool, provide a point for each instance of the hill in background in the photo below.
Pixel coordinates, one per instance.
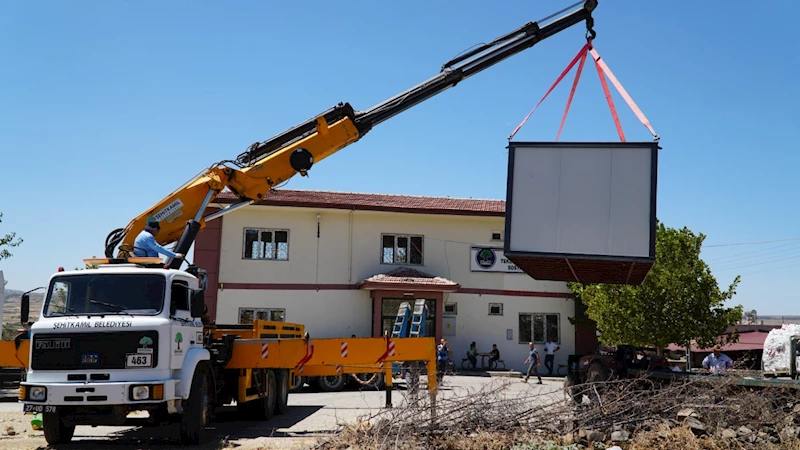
(11, 315)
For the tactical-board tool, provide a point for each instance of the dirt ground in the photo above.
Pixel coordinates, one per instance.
(23, 436)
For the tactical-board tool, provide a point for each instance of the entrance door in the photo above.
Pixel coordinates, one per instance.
(390, 307)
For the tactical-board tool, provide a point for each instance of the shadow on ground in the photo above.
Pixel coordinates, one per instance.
(228, 426)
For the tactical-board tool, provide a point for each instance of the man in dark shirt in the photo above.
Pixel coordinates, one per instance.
(533, 362)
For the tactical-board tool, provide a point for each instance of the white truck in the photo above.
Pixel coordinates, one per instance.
(117, 339)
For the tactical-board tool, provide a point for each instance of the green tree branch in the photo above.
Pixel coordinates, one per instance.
(679, 301)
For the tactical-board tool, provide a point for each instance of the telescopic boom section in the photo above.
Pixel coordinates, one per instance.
(267, 164)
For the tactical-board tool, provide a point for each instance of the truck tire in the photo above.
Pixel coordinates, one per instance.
(296, 385)
(572, 389)
(196, 411)
(282, 382)
(597, 372)
(332, 383)
(264, 407)
(55, 430)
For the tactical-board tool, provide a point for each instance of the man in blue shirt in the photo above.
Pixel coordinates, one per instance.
(442, 356)
(146, 245)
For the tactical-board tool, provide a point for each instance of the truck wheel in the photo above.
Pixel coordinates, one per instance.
(331, 383)
(282, 390)
(196, 412)
(267, 384)
(297, 384)
(572, 389)
(597, 372)
(55, 430)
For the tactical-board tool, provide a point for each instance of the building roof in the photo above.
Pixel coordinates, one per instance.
(408, 278)
(377, 202)
(748, 340)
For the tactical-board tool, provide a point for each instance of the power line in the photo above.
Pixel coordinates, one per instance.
(752, 243)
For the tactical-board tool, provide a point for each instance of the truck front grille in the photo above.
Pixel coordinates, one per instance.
(92, 351)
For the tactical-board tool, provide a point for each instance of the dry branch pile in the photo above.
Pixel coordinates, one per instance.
(634, 414)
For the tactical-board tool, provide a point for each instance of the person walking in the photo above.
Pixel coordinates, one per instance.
(533, 362)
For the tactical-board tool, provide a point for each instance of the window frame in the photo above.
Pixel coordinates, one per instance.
(495, 304)
(531, 334)
(262, 230)
(258, 309)
(394, 254)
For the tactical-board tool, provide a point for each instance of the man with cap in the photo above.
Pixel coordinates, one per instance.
(717, 362)
(146, 245)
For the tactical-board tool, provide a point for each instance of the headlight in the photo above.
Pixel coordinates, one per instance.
(38, 393)
(141, 392)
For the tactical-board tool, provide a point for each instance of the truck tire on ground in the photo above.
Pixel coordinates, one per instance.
(264, 408)
(55, 430)
(196, 410)
(281, 403)
(296, 385)
(597, 372)
(572, 389)
(331, 383)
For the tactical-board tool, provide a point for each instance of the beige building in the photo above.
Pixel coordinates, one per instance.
(341, 264)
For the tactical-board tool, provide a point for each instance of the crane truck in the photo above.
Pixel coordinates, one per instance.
(130, 335)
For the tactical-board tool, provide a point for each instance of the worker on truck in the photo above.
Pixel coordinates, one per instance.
(717, 362)
(146, 245)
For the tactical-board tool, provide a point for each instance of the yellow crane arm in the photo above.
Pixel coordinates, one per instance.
(267, 164)
(249, 183)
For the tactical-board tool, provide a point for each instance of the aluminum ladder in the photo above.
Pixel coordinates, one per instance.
(400, 329)
(418, 325)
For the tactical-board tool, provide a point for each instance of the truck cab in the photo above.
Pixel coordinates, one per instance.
(120, 338)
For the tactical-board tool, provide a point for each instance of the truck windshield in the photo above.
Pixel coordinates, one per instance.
(105, 293)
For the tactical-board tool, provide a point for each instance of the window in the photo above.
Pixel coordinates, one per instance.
(401, 249)
(261, 243)
(180, 295)
(538, 327)
(105, 294)
(495, 309)
(248, 315)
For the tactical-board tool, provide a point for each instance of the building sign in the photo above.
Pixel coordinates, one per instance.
(487, 259)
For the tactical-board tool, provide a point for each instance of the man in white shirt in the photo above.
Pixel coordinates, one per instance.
(716, 363)
(550, 349)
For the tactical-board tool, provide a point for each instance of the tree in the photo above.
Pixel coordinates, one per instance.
(678, 302)
(9, 240)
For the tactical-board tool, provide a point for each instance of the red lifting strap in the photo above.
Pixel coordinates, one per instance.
(563, 74)
(602, 68)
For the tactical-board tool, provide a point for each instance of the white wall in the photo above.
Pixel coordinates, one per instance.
(332, 260)
(325, 314)
(473, 323)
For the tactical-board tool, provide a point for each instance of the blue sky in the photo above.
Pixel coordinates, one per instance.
(108, 106)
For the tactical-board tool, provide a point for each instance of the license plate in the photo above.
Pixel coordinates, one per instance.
(135, 360)
(27, 407)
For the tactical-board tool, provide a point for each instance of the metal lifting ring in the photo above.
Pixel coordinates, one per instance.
(590, 34)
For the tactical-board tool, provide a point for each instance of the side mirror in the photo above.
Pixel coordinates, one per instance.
(198, 303)
(25, 309)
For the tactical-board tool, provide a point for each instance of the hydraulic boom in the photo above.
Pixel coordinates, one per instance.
(265, 165)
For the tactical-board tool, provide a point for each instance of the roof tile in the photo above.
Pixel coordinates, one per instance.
(381, 202)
